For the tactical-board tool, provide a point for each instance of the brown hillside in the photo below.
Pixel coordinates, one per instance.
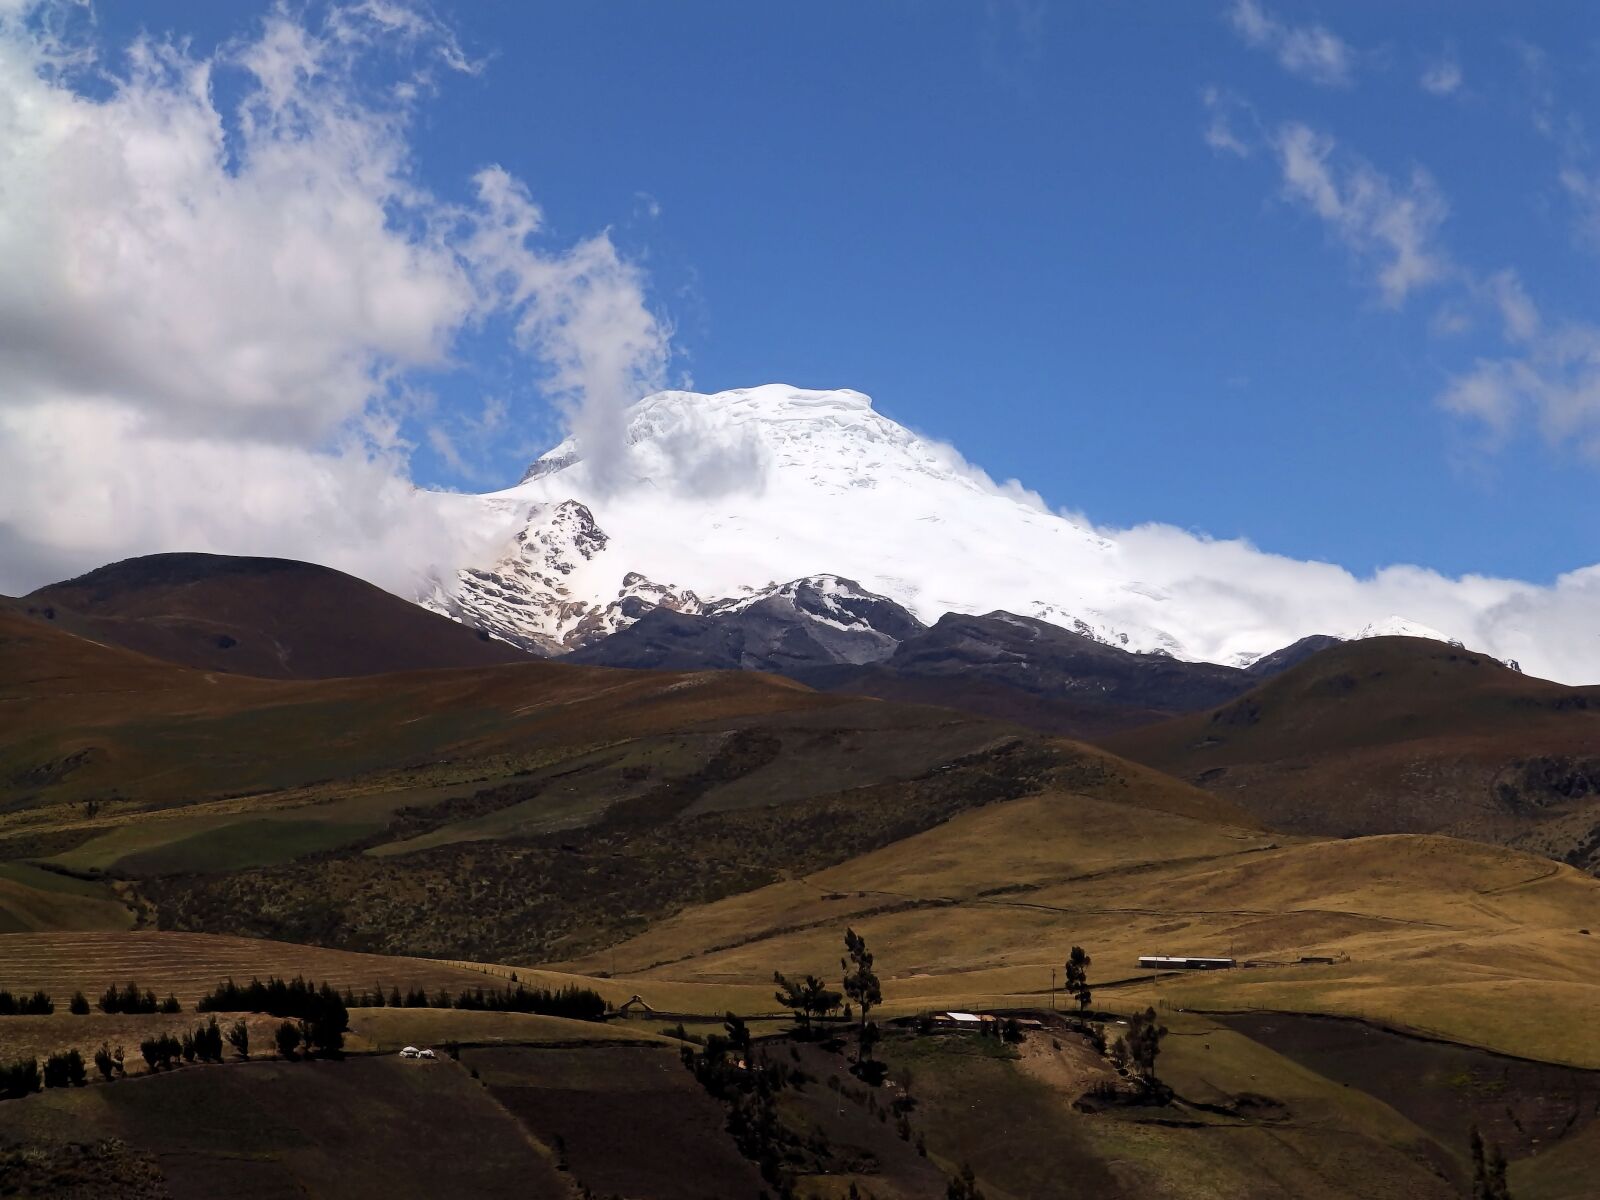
(1399, 735)
(87, 721)
(508, 809)
(270, 617)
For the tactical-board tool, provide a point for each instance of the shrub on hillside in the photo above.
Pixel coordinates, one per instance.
(321, 1009)
(79, 1005)
(127, 999)
(37, 1005)
(18, 1079)
(287, 1039)
(205, 1043)
(578, 1003)
(161, 1052)
(65, 1070)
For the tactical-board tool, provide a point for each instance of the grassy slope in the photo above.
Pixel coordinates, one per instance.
(1434, 934)
(34, 899)
(259, 616)
(189, 965)
(1394, 735)
(91, 722)
(1012, 1120)
(365, 1128)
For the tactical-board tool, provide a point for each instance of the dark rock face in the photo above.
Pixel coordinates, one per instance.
(1049, 661)
(1291, 655)
(818, 621)
(830, 634)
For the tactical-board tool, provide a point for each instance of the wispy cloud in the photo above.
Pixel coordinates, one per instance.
(1013, 38)
(1554, 384)
(1442, 76)
(1390, 225)
(1312, 52)
(1225, 113)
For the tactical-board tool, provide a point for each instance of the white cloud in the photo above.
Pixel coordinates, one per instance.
(208, 316)
(1555, 383)
(1552, 377)
(1312, 52)
(1392, 225)
(1583, 189)
(1442, 76)
(1233, 598)
(582, 312)
(1221, 132)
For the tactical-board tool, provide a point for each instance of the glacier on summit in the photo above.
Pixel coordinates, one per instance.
(731, 495)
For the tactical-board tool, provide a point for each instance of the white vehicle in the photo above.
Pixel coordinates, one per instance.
(411, 1052)
(426, 1054)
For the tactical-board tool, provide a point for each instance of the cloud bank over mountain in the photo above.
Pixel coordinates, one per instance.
(214, 314)
(844, 490)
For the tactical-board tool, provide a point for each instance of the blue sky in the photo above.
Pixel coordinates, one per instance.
(1064, 237)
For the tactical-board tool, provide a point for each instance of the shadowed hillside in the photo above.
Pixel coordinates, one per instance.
(1400, 735)
(528, 809)
(259, 616)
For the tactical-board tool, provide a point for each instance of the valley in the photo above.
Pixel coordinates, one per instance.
(666, 840)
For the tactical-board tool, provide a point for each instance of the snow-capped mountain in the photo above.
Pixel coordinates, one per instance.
(1397, 626)
(724, 497)
(548, 594)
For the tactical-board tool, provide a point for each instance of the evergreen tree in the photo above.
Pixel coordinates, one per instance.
(809, 998)
(287, 1039)
(20, 1078)
(1144, 1042)
(104, 1063)
(738, 1036)
(79, 1005)
(239, 1038)
(1077, 977)
(860, 983)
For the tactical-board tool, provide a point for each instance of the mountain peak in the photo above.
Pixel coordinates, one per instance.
(1398, 626)
(727, 493)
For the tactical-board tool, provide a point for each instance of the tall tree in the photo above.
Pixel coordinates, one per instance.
(809, 998)
(860, 983)
(1144, 1042)
(1077, 977)
(738, 1037)
(287, 1038)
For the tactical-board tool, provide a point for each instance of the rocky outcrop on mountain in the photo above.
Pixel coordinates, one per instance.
(540, 594)
(1038, 674)
(1292, 655)
(821, 620)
